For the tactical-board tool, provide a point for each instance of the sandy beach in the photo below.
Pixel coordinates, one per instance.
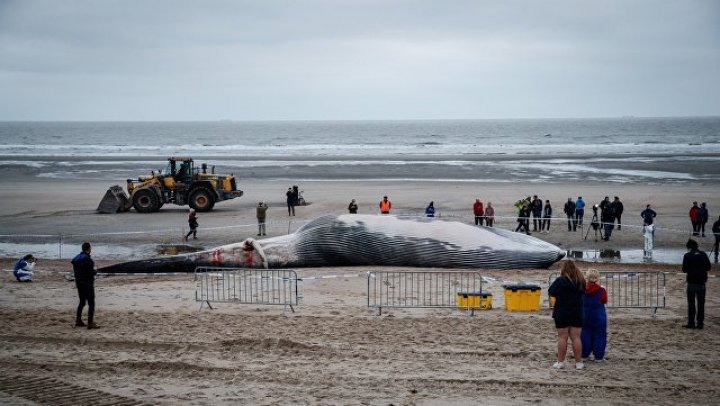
(156, 347)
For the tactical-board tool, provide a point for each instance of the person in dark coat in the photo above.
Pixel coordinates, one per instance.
(607, 217)
(618, 211)
(84, 271)
(536, 206)
(696, 265)
(430, 210)
(352, 207)
(569, 210)
(547, 215)
(193, 224)
(568, 290)
(648, 215)
(716, 233)
(594, 329)
(523, 220)
(702, 218)
(291, 201)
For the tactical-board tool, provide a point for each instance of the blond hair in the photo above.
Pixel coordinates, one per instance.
(592, 275)
(571, 271)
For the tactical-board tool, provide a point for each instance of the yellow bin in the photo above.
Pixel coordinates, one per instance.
(474, 300)
(522, 298)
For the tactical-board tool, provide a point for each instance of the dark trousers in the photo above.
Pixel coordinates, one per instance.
(572, 223)
(618, 217)
(192, 231)
(523, 224)
(579, 214)
(701, 228)
(537, 221)
(716, 246)
(489, 222)
(291, 209)
(545, 224)
(608, 227)
(696, 292)
(478, 220)
(86, 293)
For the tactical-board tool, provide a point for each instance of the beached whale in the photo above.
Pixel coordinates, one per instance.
(355, 239)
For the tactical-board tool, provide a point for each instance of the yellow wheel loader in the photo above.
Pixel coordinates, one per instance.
(181, 183)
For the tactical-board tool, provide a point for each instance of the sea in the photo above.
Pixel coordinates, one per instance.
(622, 150)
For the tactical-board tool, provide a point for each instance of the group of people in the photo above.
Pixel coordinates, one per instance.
(534, 208)
(579, 310)
(699, 216)
(483, 214)
(579, 315)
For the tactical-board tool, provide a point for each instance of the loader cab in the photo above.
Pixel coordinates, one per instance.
(181, 169)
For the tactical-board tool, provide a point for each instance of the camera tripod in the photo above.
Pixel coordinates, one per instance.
(595, 225)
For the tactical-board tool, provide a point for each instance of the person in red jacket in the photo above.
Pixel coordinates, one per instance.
(694, 219)
(594, 329)
(479, 212)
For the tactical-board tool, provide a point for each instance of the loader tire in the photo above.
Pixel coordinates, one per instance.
(201, 199)
(146, 201)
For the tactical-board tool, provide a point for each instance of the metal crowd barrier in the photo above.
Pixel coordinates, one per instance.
(246, 286)
(638, 290)
(415, 289)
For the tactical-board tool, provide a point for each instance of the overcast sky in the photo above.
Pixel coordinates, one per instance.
(364, 59)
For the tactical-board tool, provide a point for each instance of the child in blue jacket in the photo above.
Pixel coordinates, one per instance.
(594, 329)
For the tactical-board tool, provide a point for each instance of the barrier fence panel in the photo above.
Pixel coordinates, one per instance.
(641, 290)
(246, 286)
(415, 289)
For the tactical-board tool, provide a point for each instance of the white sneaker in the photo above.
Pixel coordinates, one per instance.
(559, 365)
(579, 365)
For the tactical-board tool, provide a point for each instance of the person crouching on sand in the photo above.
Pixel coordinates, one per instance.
(568, 292)
(23, 269)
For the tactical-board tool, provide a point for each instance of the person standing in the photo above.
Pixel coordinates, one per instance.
(547, 215)
(594, 328)
(648, 215)
(430, 210)
(648, 231)
(696, 265)
(569, 210)
(702, 218)
(23, 269)
(536, 207)
(604, 203)
(618, 210)
(716, 233)
(290, 197)
(523, 220)
(579, 210)
(568, 291)
(84, 271)
(607, 217)
(478, 211)
(385, 205)
(261, 213)
(193, 224)
(694, 219)
(352, 207)
(489, 215)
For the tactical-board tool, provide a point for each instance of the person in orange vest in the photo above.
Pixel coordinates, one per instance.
(479, 212)
(385, 205)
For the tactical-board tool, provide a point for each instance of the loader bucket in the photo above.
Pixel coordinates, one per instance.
(114, 201)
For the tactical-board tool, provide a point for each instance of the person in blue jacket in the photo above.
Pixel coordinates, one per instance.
(579, 210)
(430, 210)
(594, 329)
(84, 270)
(23, 268)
